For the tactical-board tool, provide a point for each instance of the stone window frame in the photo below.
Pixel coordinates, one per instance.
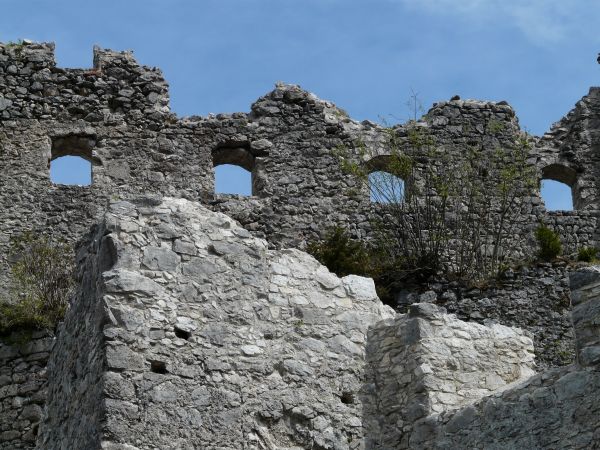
(79, 145)
(565, 175)
(237, 154)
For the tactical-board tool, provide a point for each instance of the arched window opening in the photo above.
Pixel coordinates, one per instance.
(234, 170)
(385, 187)
(71, 170)
(231, 179)
(557, 196)
(71, 160)
(557, 187)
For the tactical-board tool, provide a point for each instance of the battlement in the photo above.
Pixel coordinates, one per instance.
(34, 88)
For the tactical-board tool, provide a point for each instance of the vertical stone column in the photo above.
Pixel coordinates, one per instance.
(585, 298)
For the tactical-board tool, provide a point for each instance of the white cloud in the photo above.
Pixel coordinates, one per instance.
(542, 21)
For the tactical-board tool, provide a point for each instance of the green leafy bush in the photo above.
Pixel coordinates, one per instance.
(345, 256)
(342, 255)
(42, 281)
(549, 243)
(587, 254)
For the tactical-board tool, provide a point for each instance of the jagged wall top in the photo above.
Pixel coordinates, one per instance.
(116, 115)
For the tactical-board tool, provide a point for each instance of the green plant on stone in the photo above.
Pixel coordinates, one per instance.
(587, 254)
(445, 217)
(549, 243)
(16, 46)
(340, 254)
(495, 126)
(345, 256)
(41, 284)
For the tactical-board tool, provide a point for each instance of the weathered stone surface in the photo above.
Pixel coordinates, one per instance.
(559, 408)
(22, 387)
(428, 362)
(231, 361)
(536, 298)
(291, 357)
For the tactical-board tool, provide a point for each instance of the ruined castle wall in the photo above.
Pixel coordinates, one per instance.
(23, 373)
(555, 409)
(189, 333)
(110, 115)
(427, 362)
(534, 297)
(116, 115)
(287, 140)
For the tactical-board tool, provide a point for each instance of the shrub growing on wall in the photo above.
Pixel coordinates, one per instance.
(340, 254)
(454, 216)
(345, 256)
(549, 243)
(587, 254)
(42, 281)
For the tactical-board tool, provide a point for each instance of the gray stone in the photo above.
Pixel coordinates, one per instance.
(160, 258)
(5, 103)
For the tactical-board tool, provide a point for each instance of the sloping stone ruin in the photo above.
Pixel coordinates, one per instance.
(198, 322)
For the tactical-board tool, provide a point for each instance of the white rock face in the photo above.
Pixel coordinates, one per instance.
(212, 340)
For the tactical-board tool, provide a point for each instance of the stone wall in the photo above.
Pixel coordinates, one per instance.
(116, 115)
(535, 298)
(23, 358)
(557, 409)
(187, 332)
(427, 362)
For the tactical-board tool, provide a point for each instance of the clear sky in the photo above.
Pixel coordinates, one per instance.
(366, 56)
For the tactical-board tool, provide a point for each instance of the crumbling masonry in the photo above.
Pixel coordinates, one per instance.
(192, 330)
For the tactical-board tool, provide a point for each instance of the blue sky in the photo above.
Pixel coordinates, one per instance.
(366, 56)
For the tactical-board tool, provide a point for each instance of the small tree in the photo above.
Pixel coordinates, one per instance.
(453, 216)
(42, 282)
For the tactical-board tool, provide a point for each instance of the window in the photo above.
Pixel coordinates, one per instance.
(232, 179)
(234, 166)
(71, 160)
(557, 187)
(385, 187)
(73, 170)
(557, 196)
